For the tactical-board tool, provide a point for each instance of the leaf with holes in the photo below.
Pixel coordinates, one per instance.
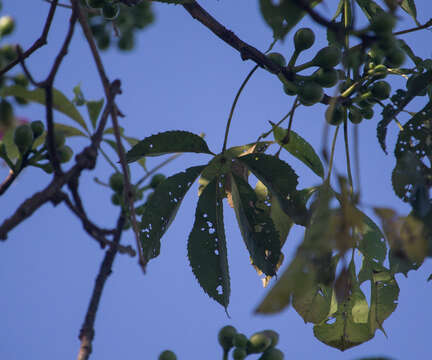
(162, 208)
(167, 143)
(371, 240)
(207, 250)
(281, 180)
(300, 148)
(348, 327)
(257, 229)
(60, 102)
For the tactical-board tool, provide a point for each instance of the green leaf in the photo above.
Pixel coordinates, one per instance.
(207, 250)
(410, 8)
(132, 142)
(162, 208)
(167, 143)
(301, 149)
(313, 304)
(372, 243)
(370, 8)
(78, 99)
(94, 109)
(12, 151)
(348, 327)
(405, 47)
(257, 229)
(400, 263)
(281, 180)
(60, 102)
(283, 16)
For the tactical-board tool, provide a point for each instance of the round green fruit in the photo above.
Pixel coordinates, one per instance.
(226, 337)
(367, 112)
(65, 153)
(258, 343)
(156, 180)
(273, 335)
(116, 199)
(381, 90)
(395, 58)
(167, 355)
(272, 354)
(304, 38)
(290, 88)
(59, 139)
(116, 182)
(103, 41)
(335, 115)
(355, 115)
(277, 58)
(23, 138)
(6, 114)
(416, 84)
(96, 4)
(326, 77)
(110, 11)
(126, 41)
(327, 57)
(310, 93)
(9, 52)
(38, 128)
(240, 340)
(383, 23)
(7, 25)
(239, 354)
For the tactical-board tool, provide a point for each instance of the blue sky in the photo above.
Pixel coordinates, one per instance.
(180, 76)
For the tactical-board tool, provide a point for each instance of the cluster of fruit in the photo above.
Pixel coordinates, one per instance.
(127, 21)
(359, 94)
(262, 342)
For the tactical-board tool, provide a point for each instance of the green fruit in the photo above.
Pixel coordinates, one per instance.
(126, 41)
(96, 4)
(167, 355)
(380, 71)
(127, 225)
(272, 354)
(277, 58)
(326, 77)
(23, 138)
(376, 55)
(310, 93)
(327, 57)
(21, 80)
(7, 25)
(103, 41)
(9, 52)
(427, 64)
(239, 354)
(381, 90)
(353, 58)
(116, 182)
(110, 11)
(226, 337)
(48, 168)
(304, 38)
(258, 343)
(273, 335)
(355, 115)
(383, 23)
(290, 88)
(240, 340)
(395, 58)
(116, 199)
(65, 153)
(38, 128)
(156, 180)
(335, 115)
(6, 114)
(367, 112)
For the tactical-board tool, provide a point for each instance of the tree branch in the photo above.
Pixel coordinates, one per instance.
(87, 331)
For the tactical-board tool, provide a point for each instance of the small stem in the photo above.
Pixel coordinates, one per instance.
(108, 159)
(303, 66)
(293, 59)
(333, 147)
(421, 27)
(225, 355)
(234, 105)
(156, 168)
(347, 152)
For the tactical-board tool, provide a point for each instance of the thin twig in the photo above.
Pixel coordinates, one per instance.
(347, 155)
(41, 41)
(421, 27)
(156, 168)
(234, 105)
(87, 331)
